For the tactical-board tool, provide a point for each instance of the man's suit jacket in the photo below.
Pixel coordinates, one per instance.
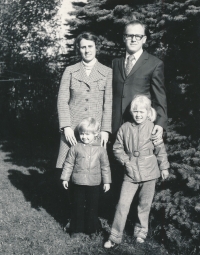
(146, 77)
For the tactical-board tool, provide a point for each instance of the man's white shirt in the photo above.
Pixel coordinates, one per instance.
(136, 55)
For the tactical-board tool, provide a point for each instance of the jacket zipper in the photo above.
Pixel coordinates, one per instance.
(138, 150)
(90, 158)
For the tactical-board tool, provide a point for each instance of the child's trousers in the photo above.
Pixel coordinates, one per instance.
(128, 190)
(84, 216)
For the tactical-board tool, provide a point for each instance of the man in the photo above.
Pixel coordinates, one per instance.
(138, 73)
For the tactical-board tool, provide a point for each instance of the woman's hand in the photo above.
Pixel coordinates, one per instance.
(106, 187)
(104, 138)
(69, 135)
(65, 184)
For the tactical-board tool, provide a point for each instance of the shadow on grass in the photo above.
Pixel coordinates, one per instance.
(43, 190)
(40, 181)
(28, 151)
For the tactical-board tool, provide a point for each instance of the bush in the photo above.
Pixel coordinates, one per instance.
(176, 207)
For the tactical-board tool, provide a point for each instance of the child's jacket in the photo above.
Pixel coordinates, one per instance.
(88, 164)
(134, 149)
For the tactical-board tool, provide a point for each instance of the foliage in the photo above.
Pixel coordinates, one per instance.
(31, 64)
(28, 33)
(176, 205)
(28, 109)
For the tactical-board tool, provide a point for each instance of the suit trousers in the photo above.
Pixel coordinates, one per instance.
(84, 216)
(128, 190)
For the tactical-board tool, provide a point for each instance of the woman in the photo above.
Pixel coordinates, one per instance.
(85, 91)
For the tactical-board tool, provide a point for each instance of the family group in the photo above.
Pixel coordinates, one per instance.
(125, 106)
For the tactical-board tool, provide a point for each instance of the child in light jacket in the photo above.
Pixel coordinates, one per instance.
(87, 165)
(144, 162)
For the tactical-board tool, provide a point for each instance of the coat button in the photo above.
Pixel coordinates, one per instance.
(85, 109)
(88, 90)
(86, 99)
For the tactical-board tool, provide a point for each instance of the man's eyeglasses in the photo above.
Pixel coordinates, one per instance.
(130, 37)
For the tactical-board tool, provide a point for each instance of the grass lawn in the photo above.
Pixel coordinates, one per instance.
(34, 209)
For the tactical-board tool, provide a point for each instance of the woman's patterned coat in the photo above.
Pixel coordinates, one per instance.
(82, 96)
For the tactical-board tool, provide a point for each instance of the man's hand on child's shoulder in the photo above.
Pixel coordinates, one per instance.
(157, 134)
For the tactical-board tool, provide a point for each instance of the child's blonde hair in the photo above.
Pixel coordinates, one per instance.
(142, 100)
(90, 125)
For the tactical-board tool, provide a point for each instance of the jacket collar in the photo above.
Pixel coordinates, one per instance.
(134, 124)
(96, 73)
(95, 143)
(142, 59)
(121, 67)
(136, 55)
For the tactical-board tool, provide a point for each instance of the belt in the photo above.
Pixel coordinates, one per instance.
(142, 153)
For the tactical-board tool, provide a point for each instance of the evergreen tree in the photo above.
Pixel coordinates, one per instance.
(176, 208)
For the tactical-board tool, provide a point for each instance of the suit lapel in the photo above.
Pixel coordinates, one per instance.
(121, 67)
(95, 74)
(81, 75)
(142, 59)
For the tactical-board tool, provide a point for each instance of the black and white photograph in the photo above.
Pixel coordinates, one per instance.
(99, 127)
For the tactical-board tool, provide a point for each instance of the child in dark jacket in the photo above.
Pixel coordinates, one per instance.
(143, 161)
(87, 165)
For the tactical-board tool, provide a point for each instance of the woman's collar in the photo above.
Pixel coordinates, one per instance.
(90, 64)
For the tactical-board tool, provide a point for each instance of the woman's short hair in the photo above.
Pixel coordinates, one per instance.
(87, 36)
(142, 100)
(89, 125)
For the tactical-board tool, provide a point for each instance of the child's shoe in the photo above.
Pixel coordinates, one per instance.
(109, 244)
(139, 240)
(67, 227)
